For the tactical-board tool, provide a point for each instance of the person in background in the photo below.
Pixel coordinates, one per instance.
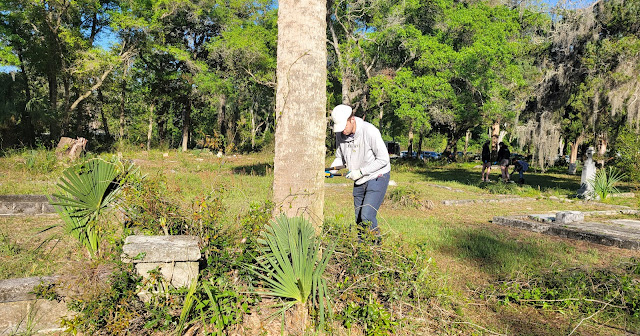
(520, 166)
(486, 161)
(503, 159)
(361, 149)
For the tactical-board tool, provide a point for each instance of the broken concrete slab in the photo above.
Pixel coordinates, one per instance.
(25, 205)
(563, 217)
(18, 305)
(176, 257)
(620, 235)
(19, 289)
(491, 200)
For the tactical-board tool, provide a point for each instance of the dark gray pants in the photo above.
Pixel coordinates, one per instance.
(367, 199)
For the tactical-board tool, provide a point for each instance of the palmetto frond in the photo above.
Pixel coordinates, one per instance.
(290, 264)
(88, 189)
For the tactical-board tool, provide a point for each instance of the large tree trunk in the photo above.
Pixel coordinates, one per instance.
(53, 104)
(150, 128)
(123, 88)
(298, 183)
(27, 123)
(602, 140)
(186, 125)
(103, 117)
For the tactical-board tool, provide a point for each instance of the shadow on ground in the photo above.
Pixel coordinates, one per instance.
(259, 169)
(535, 180)
(493, 253)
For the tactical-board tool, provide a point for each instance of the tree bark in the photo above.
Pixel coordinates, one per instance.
(410, 142)
(123, 88)
(105, 124)
(26, 120)
(601, 148)
(150, 128)
(574, 148)
(186, 124)
(298, 186)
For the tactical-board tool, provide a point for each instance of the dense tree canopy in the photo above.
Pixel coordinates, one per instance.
(202, 72)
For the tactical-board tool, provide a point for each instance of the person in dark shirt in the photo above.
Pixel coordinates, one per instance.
(520, 166)
(486, 161)
(503, 160)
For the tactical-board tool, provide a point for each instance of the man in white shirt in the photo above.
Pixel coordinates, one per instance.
(361, 149)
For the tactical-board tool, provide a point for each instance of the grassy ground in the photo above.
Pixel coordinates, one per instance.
(472, 256)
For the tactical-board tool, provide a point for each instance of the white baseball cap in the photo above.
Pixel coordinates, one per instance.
(339, 116)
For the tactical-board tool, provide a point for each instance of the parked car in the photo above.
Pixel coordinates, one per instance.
(431, 155)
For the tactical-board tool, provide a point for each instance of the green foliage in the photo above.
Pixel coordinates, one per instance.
(219, 307)
(40, 161)
(292, 265)
(369, 279)
(614, 294)
(627, 145)
(604, 183)
(87, 191)
(115, 309)
(408, 197)
(371, 315)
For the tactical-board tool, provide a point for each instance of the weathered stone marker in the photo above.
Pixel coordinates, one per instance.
(25, 205)
(175, 256)
(588, 173)
(564, 217)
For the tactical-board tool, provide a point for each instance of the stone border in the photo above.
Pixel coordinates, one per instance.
(593, 232)
(19, 289)
(25, 205)
(491, 200)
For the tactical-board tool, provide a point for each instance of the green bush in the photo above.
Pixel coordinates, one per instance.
(604, 183)
(628, 150)
(87, 192)
(292, 264)
(615, 294)
(40, 161)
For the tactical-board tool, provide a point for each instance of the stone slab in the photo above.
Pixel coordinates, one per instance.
(19, 289)
(151, 249)
(32, 317)
(25, 205)
(179, 274)
(545, 218)
(564, 217)
(491, 200)
(620, 235)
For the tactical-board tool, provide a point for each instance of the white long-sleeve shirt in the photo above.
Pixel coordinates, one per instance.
(364, 150)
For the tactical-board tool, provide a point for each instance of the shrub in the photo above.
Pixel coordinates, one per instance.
(292, 265)
(604, 183)
(88, 191)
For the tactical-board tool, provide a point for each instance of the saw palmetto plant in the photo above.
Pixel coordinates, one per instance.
(605, 180)
(88, 191)
(292, 264)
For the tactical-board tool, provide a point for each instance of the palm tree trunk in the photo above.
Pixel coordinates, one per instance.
(298, 186)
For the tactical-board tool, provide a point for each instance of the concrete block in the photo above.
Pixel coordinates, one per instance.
(176, 257)
(20, 289)
(160, 249)
(179, 274)
(564, 217)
